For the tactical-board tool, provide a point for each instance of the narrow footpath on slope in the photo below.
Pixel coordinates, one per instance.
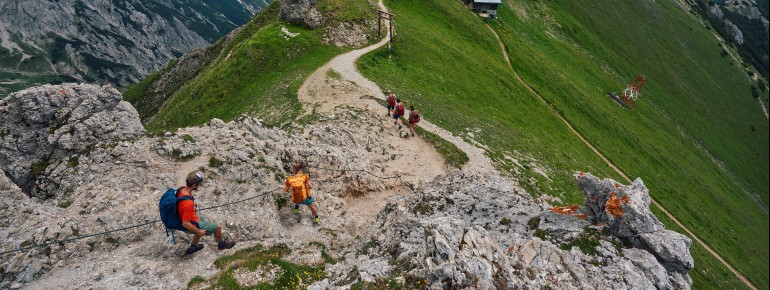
(616, 169)
(321, 93)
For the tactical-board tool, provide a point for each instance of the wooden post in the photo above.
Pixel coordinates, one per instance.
(387, 16)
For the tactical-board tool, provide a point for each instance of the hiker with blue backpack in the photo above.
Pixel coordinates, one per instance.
(183, 204)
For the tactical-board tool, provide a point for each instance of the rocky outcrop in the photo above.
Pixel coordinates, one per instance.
(118, 184)
(46, 127)
(347, 34)
(736, 32)
(454, 231)
(621, 214)
(625, 209)
(302, 12)
(472, 232)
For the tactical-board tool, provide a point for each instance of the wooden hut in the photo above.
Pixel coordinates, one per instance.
(485, 6)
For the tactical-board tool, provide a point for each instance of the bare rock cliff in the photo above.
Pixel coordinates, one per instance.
(42, 129)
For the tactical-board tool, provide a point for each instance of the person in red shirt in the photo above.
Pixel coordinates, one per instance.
(390, 100)
(190, 220)
(414, 118)
(398, 112)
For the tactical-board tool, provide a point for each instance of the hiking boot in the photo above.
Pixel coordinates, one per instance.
(193, 249)
(399, 126)
(296, 209)
(316, 220)
(412, 134)
(225, 245)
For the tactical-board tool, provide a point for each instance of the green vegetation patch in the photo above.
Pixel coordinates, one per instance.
(346, 11)
(689, 137)
(257, 72)
(258, 259)
(452, 155)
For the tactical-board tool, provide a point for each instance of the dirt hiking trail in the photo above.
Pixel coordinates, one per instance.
(321, 94)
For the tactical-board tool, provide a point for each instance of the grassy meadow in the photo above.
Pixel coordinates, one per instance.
(696, 137)
(258, 72)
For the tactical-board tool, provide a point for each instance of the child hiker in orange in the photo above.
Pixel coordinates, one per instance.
(299, 184)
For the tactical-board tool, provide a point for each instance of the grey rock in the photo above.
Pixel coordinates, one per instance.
(47, 125)
(672, 248)
(625, 209)
(347, 34)
(302, 12)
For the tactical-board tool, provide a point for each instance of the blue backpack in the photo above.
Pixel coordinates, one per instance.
(168, 212)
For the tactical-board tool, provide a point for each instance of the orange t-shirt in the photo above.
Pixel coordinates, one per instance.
(297, 196)
(186, 210)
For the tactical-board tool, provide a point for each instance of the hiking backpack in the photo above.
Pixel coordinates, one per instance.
(414, 117)
(400, 109)
(168, 213)
(298, 188)
(391, 100)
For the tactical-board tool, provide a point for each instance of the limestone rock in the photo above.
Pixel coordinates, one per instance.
(625, 209)
(45, 126)
(346, 34)
(302, 12)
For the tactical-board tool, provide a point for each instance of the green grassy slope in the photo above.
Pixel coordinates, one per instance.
(696, 104)
(448, 65)
(696, 107)
(257, 72)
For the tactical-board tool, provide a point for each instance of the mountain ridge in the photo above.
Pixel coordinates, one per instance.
(73, 40)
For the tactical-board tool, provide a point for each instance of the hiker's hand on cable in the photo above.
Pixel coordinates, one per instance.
(201, 232)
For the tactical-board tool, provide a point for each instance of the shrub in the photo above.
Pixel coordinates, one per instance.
(214, 162)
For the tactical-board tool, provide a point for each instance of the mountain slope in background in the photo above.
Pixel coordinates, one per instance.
(106, 41)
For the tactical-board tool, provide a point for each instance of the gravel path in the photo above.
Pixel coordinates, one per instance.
(322, 94)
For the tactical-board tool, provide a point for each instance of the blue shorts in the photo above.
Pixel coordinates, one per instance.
(396, 116)
(307, 201)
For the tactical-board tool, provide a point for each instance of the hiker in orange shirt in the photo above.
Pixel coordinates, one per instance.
(190, 221)
(299, 184)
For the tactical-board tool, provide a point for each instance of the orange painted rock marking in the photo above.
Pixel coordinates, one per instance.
(613, 205)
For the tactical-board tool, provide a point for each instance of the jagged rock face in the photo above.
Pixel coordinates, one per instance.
(302, 12)
(455, 230)
(119, 184)
(622, 215)
(347, 35)
(734, 31)
(42, 127)
(475, 232)
(114, 41)
(625, 209)
(458, 231)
